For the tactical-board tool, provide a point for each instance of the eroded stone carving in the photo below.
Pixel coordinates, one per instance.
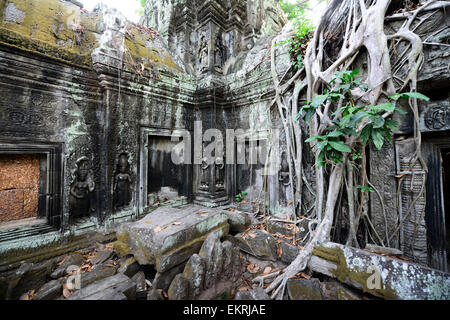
(81, 190)
(122, 182)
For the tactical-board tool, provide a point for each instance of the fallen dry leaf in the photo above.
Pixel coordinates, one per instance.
(202, 211)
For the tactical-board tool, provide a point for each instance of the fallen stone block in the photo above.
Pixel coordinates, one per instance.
(288, 252)
(141, 286)
(49, 291)
(255, 294)
(211, 253)
(129, 267)
(334, 290)
(304, 289)
(239, 221)
(101, 256)
(287, 229)
(179, 288)
(99, 273)
(164, 279)
(73, 259)
(111, 287)
(378, 275)
(155, 294)
(168, 236)
(258, 243)
(29, 276)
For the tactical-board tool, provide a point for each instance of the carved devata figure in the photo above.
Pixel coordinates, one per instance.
(220, 173)
(284, 172)
(203, 52)
(219, 53)
(81, 191)
(204, 184)
(122, 183)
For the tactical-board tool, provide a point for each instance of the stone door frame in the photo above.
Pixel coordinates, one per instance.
(435, 208)
(145, 133)
(51, 186)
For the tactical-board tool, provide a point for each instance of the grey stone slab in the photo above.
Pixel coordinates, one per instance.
(261, 244)
(398, 279)
(100, 272)
(101, 256)
(254, 294)
(118, 283)
(169, 236)
(304, 289)
(164, 279)
(50, 291)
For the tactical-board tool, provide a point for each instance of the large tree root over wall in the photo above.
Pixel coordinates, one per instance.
(361, 25)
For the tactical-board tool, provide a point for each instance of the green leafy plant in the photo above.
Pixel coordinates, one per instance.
(377, 128)
(240, 196)
(303, 28)
(365, 188)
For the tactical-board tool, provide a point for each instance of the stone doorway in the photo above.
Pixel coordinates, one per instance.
(30, 188)
(161, 181)
(19, 187)
(166, 180)
(445, 160)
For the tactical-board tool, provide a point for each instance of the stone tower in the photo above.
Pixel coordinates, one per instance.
(206, 34)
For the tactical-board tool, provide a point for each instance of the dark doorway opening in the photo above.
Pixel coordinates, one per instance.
(445, 160)
(166, 180)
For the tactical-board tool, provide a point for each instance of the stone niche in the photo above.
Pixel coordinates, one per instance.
(162, 180)
(30, 184)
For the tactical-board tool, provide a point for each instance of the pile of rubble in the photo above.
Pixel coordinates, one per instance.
(194, 253)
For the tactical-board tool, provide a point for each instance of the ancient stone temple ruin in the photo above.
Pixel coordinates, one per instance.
(94, 109)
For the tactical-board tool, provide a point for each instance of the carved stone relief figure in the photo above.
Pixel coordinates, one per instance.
(284, 172)
(220, 173)
(204, 176)
(122, 183)
(219, 51)
(81, 190)
(203, 53)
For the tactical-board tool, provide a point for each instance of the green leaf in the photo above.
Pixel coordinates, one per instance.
(400, 111)
(321, 145)
(335, 134)
(365, 134)
(354, 72)
(378, 138)
(415, 95)
(340, 146)
(377, 121)
(314, 138)
(321, 160)
(309, 114)
(318, 100)
(388, 107)
(391, 124)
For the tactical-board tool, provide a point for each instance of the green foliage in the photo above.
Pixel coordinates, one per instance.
(240, 196)
(141, 9)
(377, 129)
(365, 189)
(303, 33)
(291, 9)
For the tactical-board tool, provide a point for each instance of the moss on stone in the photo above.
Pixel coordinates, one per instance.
(353, 275)
(47, 28)
(141, 49)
